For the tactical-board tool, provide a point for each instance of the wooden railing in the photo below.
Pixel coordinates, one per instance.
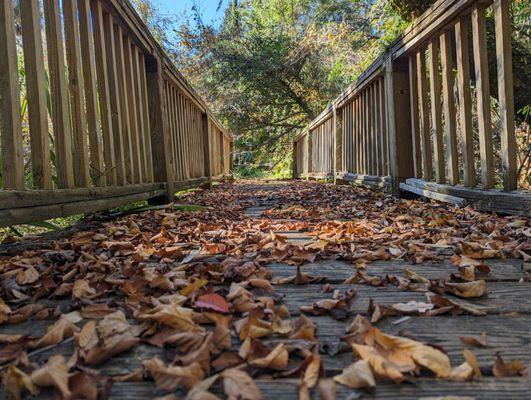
(109, 118)
(420, 117)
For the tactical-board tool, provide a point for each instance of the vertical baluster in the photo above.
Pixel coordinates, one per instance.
(449, 108)
(127, 134)
(77, 101)
(120, 154)
(425, 142)
(505, 93)
(104, 93)
(132, 97)
(377, 128)
(414, 107)
(58, 88)
(36, 92)
(139, 112)
(436, 117)
(145, 111)
(385, 141)
(465, 102)
(91, 94)
(481, 69)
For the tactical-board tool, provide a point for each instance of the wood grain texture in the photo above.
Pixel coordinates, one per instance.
(481, 72)
(465, 101)
(505, 93)
(104, 95)
(76, 91)
(449, 108)
(88, 59)
(36, 94)
(58, 88)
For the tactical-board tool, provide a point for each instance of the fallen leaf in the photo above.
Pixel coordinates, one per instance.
(212, 301)
(238, 385)
(54, 374)
(169, 378)
(357, 376)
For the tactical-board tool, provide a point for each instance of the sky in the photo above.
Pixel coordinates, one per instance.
(206, 7)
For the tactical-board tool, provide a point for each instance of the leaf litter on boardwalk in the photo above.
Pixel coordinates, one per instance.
(194, 281)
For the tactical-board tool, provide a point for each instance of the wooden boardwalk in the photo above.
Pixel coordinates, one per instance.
(507, 322)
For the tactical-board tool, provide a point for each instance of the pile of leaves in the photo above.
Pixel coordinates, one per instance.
(197, 284)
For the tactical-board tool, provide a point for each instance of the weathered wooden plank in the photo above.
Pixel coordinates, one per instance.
(449, 107)
(76, 91)
(503, 297)
(40, 213)
(481, 69)
(88, 60)
(58, 88)
(517, 202)
(36, 93)
(458, 201)
(287, 389)
(505, 92)
(436, 113)
(337, 271)
(104, 93)
(465, 101)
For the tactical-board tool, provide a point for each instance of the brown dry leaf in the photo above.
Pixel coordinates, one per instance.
(445, 305)
(304, 329)
(357, 375)
(63, 328)
(238, 385)
(381, 366)
(171, 315)
(277, 359)
(313, 370)
(27, 276)
(475, 342)
(504, 369)
(114, 345)
(472, 361)
(326, 389)
(82, 289)
(399, 349)
(15, 382)
(462, 373)
(467, 289)
(338, 307)
(88, 336)
(254, 326)
(304, 391)
(54, 374)
(169, 378)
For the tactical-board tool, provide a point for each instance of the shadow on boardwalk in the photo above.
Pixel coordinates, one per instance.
(290, 282)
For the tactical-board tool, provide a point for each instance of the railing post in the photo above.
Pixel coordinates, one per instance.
(160, 134)
(206, 126)
(338, 142)
(398, 122)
